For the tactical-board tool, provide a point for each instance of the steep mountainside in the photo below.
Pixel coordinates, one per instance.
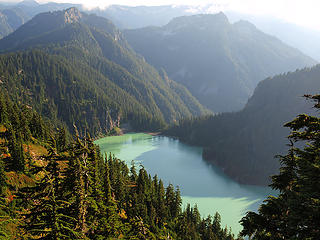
(11, 19)
(220, 63)
(84, 62)
(126, 17)
(48, 180)
(13, 15)
(244, 143)
(305, 39)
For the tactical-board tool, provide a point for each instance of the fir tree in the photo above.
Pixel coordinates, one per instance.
(75, 188)
(62, 140)
(15, 147)
(295, 212)
(176, 209)
(4, 218)
(45, 218)
(113, 224)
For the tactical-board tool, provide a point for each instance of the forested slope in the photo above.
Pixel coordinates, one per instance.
(244, 143)
(219, 62)
(10, 20)
(56, 187)
(87, 74)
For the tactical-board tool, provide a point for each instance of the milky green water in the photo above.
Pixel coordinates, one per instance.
(183, 165)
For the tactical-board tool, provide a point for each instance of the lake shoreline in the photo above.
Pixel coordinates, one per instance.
(128, 130)
(153, 133)
(183, 165)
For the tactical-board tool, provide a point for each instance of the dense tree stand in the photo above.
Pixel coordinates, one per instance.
(295, 212)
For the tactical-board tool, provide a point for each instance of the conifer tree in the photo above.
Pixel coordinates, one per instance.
(95, 197)
(45, 218)
(113, 223)
(2, 169)
(3, 208)
(132, 198)
(141, 194)
(170, 199)
(75, 187)
(216, 224)
(161, 208)
(15, 147)
(133, 172)
(140, 230)
(62, 140)
(176, 210)
(295, 212)
(196, 218)
(3, 109)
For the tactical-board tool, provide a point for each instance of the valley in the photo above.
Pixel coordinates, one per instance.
(182, 165)
(245, 143)
(157, 122)
(228, 60)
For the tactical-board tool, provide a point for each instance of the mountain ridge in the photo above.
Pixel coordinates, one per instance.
(245, 143)
(227, 59)
(96, 45)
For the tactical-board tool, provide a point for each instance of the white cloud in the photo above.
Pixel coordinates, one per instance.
(301, 12)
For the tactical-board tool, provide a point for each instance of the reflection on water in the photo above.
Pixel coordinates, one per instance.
(180, 164)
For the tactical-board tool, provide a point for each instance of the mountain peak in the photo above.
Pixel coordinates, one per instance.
(29, 3)
(245, 27)
(245, 24)
(72, 15)
(201, 21)
(219, 18)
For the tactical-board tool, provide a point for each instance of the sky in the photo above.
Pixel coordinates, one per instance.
(301, 12)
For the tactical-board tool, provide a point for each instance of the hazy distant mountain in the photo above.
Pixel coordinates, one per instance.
(127, 17)
(244, 143)
(33, 8)
(306, 40)
(13, 15)
(28, 3)
(11, 19)
(122, 16)
(106, 73)
(220, 63)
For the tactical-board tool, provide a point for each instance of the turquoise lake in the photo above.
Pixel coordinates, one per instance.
(180, 164)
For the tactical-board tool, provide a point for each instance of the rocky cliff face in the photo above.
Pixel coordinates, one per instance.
(219, 62)
(72, 15)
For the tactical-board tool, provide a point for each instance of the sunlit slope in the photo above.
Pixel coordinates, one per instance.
(95, 72)
(219, 62)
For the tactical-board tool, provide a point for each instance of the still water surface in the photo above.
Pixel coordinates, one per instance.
(180, 164)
